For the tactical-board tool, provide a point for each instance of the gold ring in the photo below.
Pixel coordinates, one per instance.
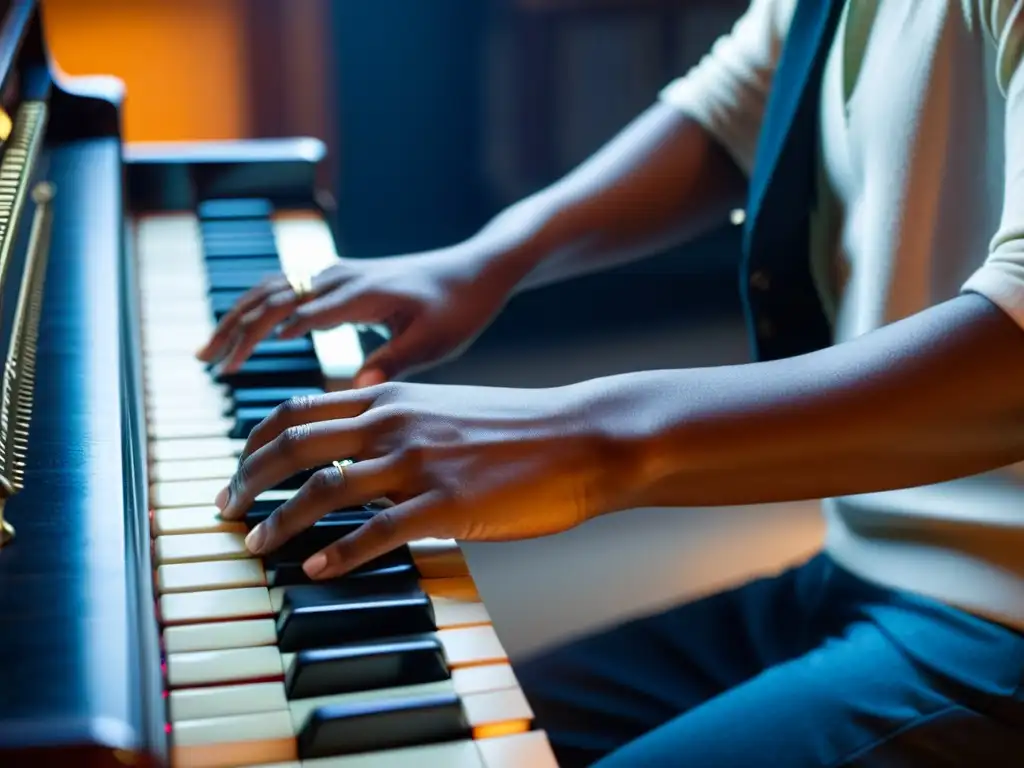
(340, 466)
(302, 285)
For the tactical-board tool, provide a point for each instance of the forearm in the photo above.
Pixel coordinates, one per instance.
(931, 398)
(660, 182)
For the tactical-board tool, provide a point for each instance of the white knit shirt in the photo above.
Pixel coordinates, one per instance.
(921, 158)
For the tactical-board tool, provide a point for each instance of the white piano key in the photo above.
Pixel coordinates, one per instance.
(218, 636)
(456, 611)
(243, 699)
(204, 394)
(470, 646)
(200, 547)
(453, 754)
(200, 668)
(165, 379)
(171, 429)
(491, 708)
(221, 605)
(219, 574)
(198, 448)
(173, 400)
(306, 246)
(222, 742)
(193, 469)
(186, 493)
(183, 520)
(438, 558)
(484, 678)
(521, 750)
(194, 493)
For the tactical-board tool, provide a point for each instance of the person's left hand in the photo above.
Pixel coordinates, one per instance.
(469, 463)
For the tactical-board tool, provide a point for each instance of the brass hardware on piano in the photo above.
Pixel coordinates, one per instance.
(17, 389)
(16, 173)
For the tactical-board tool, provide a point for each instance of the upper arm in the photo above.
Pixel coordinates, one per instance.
(1001, 277)
(727, 90)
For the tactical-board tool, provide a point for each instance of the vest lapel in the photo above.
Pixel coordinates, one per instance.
(784, 312)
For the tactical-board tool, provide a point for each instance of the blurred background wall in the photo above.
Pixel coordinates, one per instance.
(436, 114)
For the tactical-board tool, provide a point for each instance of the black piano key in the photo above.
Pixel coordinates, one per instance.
(235, 208)
(257, 397)
(241, 279)
(297, 480)
(311, 620)
(393, 578)
(247, 419)
(223, 268)
(274, 372)
(302, 346)
(212, 228)
(239, 248)
(370, 339)
(366, 666)
(383, 724)
(344, 590)
(222, 302)
(354, 516)
(311, 540)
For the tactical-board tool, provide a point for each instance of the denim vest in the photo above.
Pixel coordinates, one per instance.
(783, 311)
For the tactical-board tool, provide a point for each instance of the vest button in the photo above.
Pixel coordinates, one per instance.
(760, 279)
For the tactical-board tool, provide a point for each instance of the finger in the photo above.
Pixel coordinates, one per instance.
(368, 378)
(220, 341)
(387, 530)
(332, 310)
(294, 450)
(402, 352)
(328, 490)
(256, 325)
(297, 411)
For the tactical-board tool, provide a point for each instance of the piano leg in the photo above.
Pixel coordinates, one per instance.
(397, 665)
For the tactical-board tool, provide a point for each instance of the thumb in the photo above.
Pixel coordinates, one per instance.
(402, 352)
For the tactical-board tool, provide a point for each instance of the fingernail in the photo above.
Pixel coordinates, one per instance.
(223, 498)
(254, 541)
(315, 564)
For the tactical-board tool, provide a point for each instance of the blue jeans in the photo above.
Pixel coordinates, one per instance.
(808, 669)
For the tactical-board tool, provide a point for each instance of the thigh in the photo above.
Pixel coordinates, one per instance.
(857, 700)
(596, 694)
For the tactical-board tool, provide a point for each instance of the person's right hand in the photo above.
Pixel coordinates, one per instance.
(433, 304)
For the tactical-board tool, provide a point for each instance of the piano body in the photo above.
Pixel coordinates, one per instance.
(134, 627)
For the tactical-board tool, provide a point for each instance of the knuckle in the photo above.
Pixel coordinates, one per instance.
(280, 300)
(324, 482)
(386, 525)
(246, 323)
(241, 477)
(290, 441)
(411, 457)
(387, 393)
(292, 409)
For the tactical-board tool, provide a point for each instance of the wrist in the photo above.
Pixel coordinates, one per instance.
(618, 417)
(514, 244)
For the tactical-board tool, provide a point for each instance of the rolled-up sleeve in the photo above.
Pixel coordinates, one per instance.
(1001, 277)
(727, 90)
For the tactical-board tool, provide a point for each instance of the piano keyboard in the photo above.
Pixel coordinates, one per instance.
(396, 665)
